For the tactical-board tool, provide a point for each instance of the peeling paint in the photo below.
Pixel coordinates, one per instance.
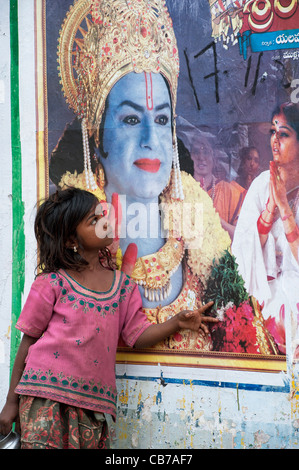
(146, 410)
(135, 439)
(158, 398)
(260, 438)
(123, 395)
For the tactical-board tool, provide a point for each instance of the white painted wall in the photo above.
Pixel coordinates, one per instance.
(28, 148)
(5, 200)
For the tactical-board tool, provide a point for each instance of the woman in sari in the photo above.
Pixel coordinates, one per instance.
(266, 239)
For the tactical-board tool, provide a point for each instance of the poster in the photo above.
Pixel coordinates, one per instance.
(237, 61)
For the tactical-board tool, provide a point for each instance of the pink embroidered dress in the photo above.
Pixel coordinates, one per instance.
(73, 360)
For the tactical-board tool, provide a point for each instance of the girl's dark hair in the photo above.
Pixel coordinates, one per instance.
(291, 113)
(55, 224)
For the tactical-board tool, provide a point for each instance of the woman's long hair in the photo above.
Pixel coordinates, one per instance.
(55, 225)
(291, 113)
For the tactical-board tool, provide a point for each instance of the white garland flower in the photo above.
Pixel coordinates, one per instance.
(196, 220)
(75, 180)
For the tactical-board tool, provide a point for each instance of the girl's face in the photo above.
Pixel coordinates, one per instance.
(284, 143)
(94, 231)
(137, 136)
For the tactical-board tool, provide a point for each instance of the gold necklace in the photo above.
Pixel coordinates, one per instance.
(153, 271)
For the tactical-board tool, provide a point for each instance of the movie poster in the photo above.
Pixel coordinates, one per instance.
(178, 100)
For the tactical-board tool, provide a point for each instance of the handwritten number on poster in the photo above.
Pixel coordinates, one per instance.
(253, 89)
(215, 72)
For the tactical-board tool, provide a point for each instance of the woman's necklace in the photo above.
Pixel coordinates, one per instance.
(153, 272)
(203, 185)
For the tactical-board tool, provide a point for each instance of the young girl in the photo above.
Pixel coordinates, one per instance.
(63, 380)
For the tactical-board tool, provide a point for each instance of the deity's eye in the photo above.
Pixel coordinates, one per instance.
(132, 120)
(162, 120)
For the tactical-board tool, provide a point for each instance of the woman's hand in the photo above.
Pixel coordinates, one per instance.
(278, 193)
(277, 186)
(194, 319)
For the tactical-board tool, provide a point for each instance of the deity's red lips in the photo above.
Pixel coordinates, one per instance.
(146, 164)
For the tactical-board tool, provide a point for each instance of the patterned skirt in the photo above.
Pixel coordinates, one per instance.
(46, 424)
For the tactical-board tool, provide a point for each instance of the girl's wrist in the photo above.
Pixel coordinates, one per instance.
(12, 398)
(178, 318)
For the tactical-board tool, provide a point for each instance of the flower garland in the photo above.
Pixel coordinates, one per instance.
(204, 237)
(236, 331)
(241, 327)
(75, 180)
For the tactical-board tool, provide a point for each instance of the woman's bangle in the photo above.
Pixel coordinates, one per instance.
(262, 228)
(293, 235)
(286, 217)
(264, 221)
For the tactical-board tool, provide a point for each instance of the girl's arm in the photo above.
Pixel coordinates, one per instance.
(10, 411)
(192, 320)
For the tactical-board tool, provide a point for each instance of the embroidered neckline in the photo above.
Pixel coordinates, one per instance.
(67, 276)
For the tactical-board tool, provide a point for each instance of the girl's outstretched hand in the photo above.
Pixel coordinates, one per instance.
(194, 319)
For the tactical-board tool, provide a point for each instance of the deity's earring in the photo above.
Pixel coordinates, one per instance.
(75, 249)
(89, 177)
(100, 175)
(177, 181)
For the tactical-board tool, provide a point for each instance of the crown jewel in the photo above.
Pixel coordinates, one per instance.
(103, 40)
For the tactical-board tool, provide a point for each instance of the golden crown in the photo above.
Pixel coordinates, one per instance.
(103, 40)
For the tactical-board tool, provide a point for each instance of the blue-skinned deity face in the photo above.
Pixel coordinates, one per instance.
(137, 136)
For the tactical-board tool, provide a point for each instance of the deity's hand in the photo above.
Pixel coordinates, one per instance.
(129, 259)
(130, 255)
(194, 319)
